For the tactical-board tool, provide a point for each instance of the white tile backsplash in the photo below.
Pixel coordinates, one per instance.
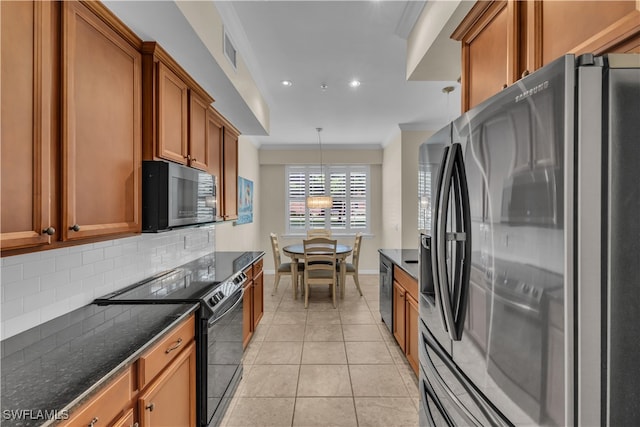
(40, 286)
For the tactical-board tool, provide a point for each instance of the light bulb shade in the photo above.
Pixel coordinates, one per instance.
(319, 202)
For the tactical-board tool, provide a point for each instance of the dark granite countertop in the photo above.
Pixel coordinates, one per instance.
(57, 365)
(406, 259)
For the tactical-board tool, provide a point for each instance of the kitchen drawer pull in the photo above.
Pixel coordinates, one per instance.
(49, 230)
(150, 407)
(74, 227)
(93, 422)
(175, 346)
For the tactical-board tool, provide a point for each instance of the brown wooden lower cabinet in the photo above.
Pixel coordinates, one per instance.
(253, 301)
(158, 389)
(171, 399)
(127, 420)
(412, 337)
(405, 315)
(399, 314)
(107, 406)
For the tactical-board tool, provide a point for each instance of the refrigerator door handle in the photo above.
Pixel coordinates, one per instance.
(453, 291)
(462, 238)
(438, 251)
(427, 392)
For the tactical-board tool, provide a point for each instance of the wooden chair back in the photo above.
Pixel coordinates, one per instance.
(318, 232)
(320, 265)
(355, 255)
(276, 250)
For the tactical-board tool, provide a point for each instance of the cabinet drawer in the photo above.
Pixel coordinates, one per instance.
(407, 282)
(106, 406)
(152, 362)
(257, 267)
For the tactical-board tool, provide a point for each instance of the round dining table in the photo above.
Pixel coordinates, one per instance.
(296, 253)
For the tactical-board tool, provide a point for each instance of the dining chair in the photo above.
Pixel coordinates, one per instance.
(281, 268)
(352, 267)
(318, 232)
(320, 265)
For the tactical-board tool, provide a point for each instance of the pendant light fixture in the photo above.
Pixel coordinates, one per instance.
(320, 202)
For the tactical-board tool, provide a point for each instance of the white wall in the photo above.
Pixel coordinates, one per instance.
(244, 237)
(411, 141)
(391, 197)
(40, 286)
(400, 190)
(272, 187)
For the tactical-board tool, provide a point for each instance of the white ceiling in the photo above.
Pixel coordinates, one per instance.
(309, 43)
(332, 42)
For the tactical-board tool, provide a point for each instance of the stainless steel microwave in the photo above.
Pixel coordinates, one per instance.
(176, 196)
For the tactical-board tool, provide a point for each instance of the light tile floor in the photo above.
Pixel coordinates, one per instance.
(324, 366)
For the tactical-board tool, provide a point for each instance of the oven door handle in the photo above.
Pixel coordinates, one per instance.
(516, 305)
(235, 304)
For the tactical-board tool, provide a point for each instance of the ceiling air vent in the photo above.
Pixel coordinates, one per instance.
(230, 50)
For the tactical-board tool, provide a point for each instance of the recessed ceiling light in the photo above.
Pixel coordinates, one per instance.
(287, 83)
(354, 83)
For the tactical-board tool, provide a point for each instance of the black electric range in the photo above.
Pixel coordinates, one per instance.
(215, 281)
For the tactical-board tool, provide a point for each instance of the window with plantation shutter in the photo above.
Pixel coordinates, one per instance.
(349, 187)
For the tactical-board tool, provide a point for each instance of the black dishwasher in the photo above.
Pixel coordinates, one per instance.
(386, 291)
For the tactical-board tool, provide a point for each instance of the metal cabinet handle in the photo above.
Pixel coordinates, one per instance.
(504, 86)
(135, 424)
(74, 227)
(49, 230)
(173, 347)
(525, 73)
(150, 407)
(93, 422)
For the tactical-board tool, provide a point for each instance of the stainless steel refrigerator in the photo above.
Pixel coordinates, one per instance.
(530, 253)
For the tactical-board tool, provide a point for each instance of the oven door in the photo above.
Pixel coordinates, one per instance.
(223, 358)
(447, 396)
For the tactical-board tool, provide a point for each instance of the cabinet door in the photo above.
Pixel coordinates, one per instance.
(172, 116)
(28, 132)
(579, 27)
(258, 298)
(198, 147)
(230, 175)
(412, 338)
(215, 138)
(399, 314)
(127, 420)
(101, 135)
(247, 312)
(489, 36)
(171, 399)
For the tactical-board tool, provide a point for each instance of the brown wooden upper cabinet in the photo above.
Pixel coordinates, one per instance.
(174, 112)
(29, 123)
(502, 40)
(222, 141)
(71, 132)
(230, 184)
(101, 125)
